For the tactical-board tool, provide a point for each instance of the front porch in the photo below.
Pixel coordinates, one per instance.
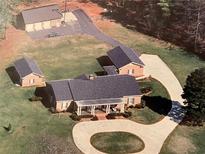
(107, 106)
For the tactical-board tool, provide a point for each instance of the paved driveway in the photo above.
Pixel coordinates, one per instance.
(153, 135)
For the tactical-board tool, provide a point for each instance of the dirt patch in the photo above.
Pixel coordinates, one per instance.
(52, 145)
(15, 39)
(182, 145)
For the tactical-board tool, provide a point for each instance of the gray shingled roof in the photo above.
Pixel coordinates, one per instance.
(61, 90)
(110, 70)
(26, 66)
(40, 14)
(103, 87)
(121, 56)
(83, 77)
(113, 86)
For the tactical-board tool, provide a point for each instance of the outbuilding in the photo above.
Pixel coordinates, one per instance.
(40, 18)
(29, 74)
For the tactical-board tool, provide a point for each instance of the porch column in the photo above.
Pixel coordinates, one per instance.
(108, 109)
(122, 108)
(93, 110)
(78, 110)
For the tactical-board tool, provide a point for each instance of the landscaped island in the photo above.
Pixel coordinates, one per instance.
(117, 142)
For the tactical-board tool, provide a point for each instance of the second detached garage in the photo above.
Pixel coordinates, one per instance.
(40, 18)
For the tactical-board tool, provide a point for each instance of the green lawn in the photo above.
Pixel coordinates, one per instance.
(147, 115)
(34, 129)
(117, 142)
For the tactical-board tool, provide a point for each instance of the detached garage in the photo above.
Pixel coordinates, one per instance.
(29, 74)
(40, 18)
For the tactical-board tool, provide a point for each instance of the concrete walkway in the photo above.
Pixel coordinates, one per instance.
(153, 135)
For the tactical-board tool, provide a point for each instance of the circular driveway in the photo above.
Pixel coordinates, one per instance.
(153, 135)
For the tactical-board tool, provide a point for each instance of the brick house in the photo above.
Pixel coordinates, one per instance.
(126, 61)
(84, 94)
(29, 74)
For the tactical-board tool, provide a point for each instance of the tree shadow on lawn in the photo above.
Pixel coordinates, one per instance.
(158, 104)
(13, 74)
(166, 107)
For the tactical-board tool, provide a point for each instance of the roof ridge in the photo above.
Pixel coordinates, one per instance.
(27, 62)
(124, 51)
(128, 49)
(69, 87)
(31, 67)
(39, 7)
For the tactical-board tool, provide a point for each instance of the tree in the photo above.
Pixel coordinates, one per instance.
(165, 6)
(5, 16)
(6, 9)
(194, 93)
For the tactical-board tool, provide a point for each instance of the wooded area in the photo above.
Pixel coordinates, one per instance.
(181, 22)
(6, 9)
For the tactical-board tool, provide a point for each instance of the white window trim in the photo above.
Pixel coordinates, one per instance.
(130, 71)
(131, 100)
(31, 81)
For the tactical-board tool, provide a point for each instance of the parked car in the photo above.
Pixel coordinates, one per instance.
(53, 34)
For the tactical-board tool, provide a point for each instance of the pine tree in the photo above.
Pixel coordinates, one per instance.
(194, 93)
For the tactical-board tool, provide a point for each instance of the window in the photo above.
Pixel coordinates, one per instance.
(62, 105)
(31, 81)
(130, 100)
(130, 72)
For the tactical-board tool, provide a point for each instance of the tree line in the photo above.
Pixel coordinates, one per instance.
(6, 9)
(181, 22)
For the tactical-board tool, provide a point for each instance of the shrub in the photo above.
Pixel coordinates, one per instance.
(35, 98)
(94, 118)
(127, 114)
(75, 117)
(143, 103)
(52, 110)
(146, 90)
(8, 128)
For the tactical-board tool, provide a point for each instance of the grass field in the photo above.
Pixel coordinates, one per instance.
(117, 142)
(34, 129)
(185, 139)
(147, 115)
